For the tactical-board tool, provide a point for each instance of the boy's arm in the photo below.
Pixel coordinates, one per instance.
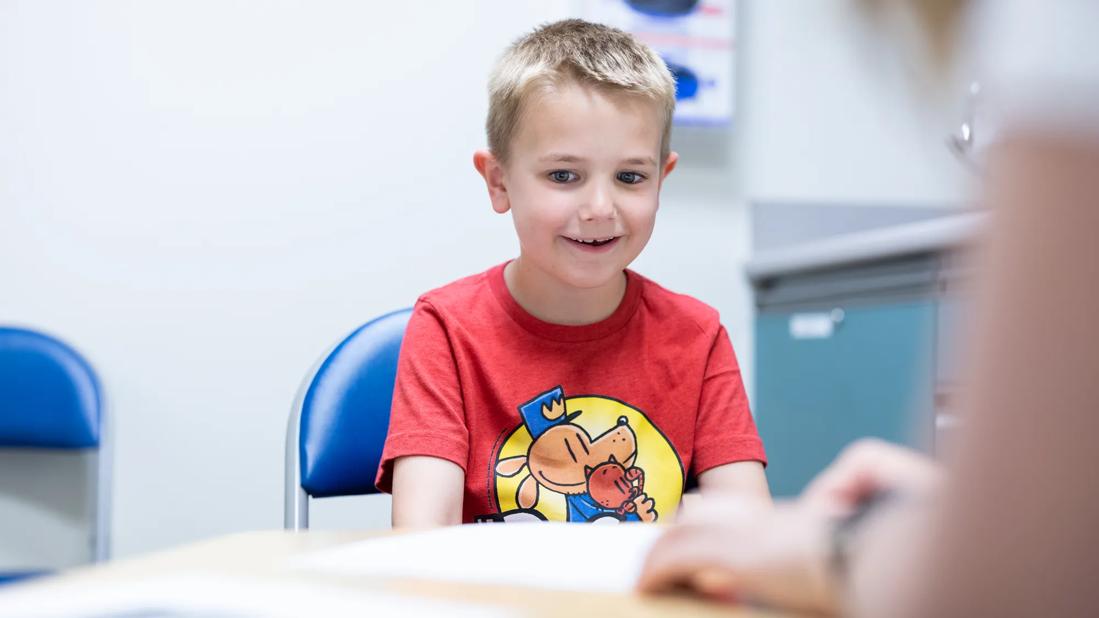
(427, 492)
(427, 435)
(728, 454)
(744, 478)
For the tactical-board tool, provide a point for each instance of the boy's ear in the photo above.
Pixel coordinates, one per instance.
(493, 172)
(669, 165)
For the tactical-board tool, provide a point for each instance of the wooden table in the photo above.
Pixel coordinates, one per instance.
(263, 555)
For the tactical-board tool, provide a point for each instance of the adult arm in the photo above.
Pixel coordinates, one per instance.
(1017, 531)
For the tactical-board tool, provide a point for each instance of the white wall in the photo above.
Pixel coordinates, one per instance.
(202, 196)
(841, 107)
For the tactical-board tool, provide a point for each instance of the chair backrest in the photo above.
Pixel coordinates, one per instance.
(49, 395)
(336, 435)
(50, 398)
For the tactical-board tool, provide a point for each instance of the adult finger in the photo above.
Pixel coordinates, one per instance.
(673, 559)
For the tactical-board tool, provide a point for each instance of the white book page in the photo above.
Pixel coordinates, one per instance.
(580, 557)
(203, 595)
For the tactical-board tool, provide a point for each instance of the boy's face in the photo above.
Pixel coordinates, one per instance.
(583, 182)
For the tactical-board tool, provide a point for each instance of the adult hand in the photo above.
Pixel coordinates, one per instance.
(867, 467)
(732, 547)
(743, 549)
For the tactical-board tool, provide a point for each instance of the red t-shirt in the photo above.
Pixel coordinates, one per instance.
(568, 422)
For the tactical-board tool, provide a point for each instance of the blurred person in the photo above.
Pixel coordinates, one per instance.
(1011, 527)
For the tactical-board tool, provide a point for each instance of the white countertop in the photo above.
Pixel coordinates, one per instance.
(912, 238)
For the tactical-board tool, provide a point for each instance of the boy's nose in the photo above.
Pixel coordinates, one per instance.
(598, 204)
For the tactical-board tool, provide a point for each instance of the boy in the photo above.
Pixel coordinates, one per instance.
(560, 385)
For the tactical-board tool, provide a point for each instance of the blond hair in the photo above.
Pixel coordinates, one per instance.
(583, 52)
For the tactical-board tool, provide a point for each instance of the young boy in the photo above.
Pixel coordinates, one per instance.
(560, 385)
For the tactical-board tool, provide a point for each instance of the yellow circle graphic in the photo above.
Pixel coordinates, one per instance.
(655, 456)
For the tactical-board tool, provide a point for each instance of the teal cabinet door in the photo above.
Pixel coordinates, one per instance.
(871, 375)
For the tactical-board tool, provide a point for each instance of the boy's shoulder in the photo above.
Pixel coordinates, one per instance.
(458, 290)
(666, 304)
(460, 295)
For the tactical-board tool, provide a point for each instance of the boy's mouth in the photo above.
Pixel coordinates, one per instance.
(592, 242)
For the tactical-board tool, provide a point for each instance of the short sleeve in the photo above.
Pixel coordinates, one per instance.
(427, 415)
(725, 431)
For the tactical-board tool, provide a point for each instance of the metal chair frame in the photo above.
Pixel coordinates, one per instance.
(99, 473)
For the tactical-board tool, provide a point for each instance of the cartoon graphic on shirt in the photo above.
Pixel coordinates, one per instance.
(551, 468)
(616, 487)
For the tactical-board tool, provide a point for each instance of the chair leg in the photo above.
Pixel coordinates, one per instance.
(301, 511)
(295, 500)
(100, 477)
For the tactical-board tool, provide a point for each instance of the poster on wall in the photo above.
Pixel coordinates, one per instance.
(695, 38)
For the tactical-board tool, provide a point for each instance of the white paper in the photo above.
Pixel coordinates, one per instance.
(577, 557)
(202, 595)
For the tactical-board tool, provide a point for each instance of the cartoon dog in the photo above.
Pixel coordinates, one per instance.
(562, 457)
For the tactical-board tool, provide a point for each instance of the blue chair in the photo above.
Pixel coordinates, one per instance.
(51, 399)
(337, 428)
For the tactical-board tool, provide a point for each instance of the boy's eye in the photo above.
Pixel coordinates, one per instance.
(630, 178)
(562, 176)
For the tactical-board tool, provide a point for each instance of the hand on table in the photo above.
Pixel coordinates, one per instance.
(736, 548)
(740, 549)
